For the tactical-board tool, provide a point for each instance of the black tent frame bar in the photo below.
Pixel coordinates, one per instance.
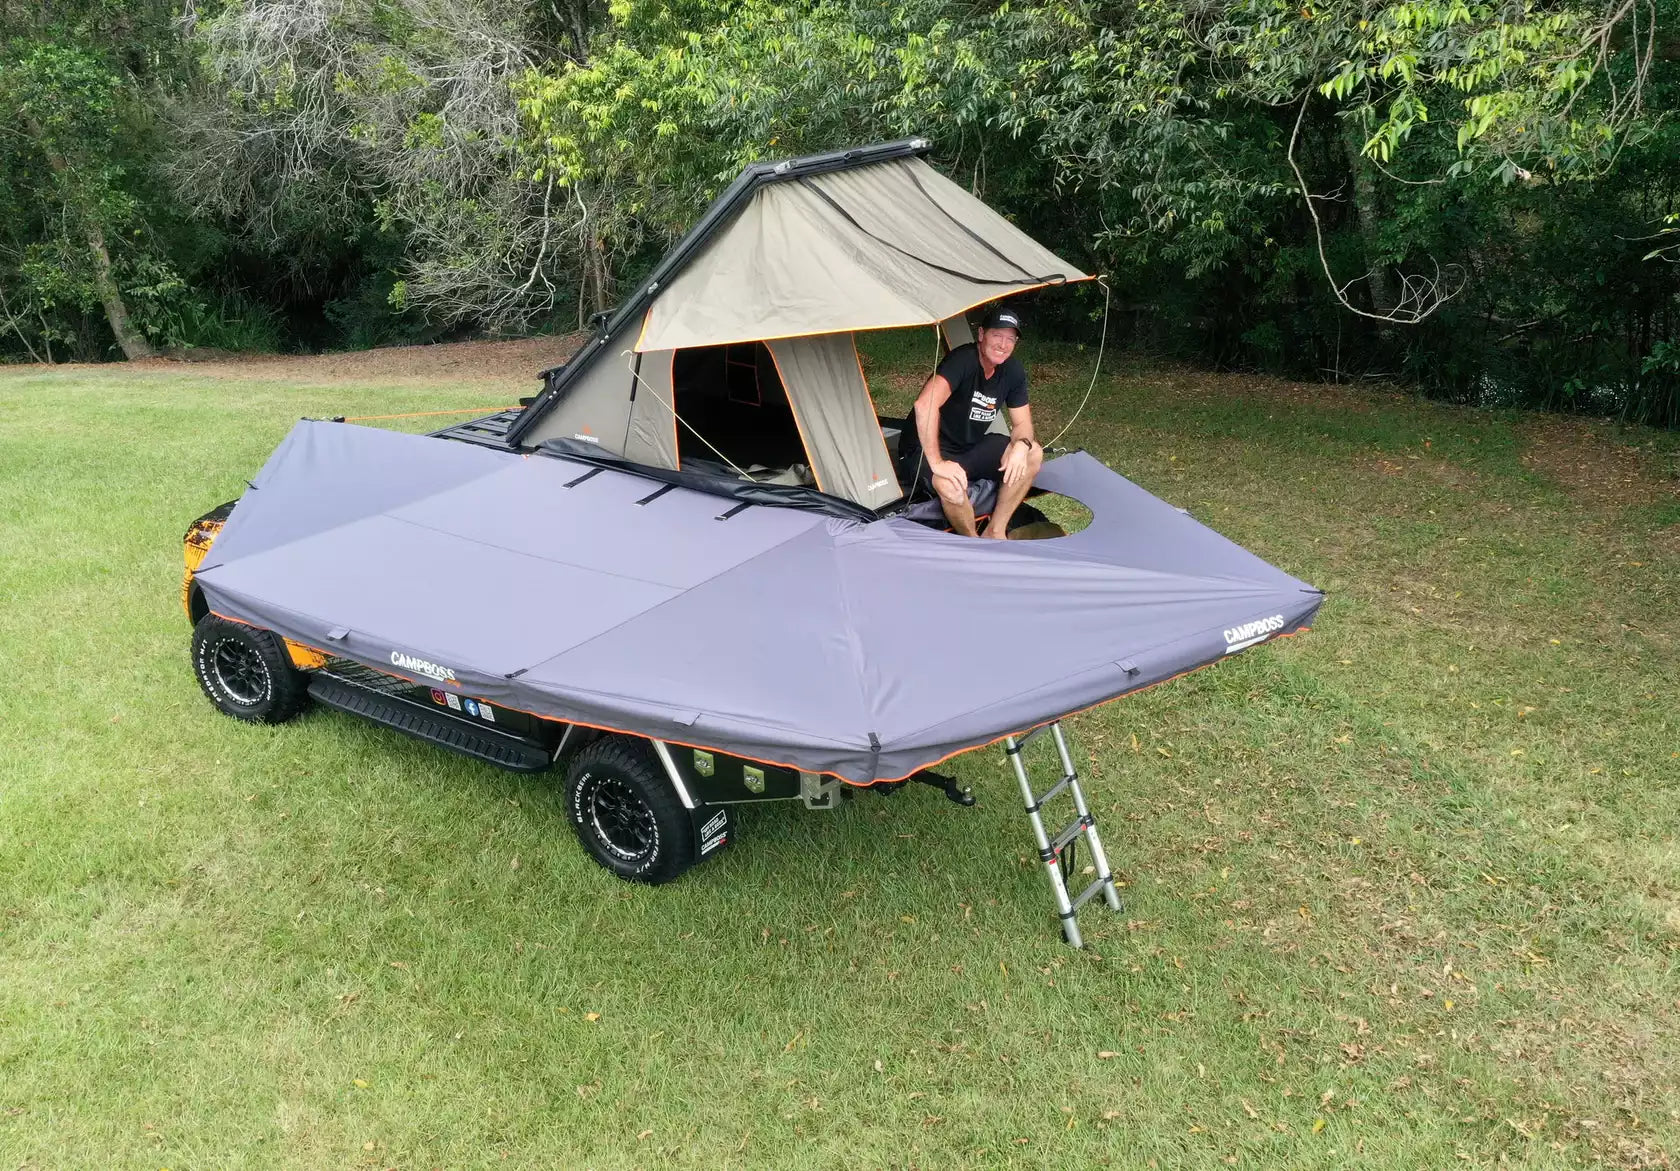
(557, 380)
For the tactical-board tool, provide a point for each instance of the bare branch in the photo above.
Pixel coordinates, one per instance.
(1408, 182)
(10, 320)
(1420, 296)
(323, 115)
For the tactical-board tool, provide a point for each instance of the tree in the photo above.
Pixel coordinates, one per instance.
(63, 104)
(389, 119)
(1148, 98)
(87, 244)
(1290, 182)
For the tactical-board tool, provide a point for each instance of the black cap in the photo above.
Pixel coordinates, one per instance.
(1002, 317)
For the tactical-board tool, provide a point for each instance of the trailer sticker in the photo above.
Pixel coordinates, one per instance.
(422, 667)
(470, 706)
(453, 700)
(1239, 637)
(485, 712)
(438, 696)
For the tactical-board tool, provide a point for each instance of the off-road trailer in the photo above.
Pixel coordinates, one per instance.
(643, 808)
(705, 484)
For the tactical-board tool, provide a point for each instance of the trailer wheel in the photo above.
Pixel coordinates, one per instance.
(626, 813)
(246, 672)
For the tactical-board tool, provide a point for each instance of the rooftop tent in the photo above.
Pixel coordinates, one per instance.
(788, 263)
(889, 244)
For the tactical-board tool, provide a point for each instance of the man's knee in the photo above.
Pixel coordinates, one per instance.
(1035, 461)
(949, 492)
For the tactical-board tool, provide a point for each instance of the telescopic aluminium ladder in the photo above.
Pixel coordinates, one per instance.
(1059, 853)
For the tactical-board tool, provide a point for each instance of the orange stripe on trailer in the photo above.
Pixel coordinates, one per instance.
(304, 657)
(786, 764)
(1065, 715)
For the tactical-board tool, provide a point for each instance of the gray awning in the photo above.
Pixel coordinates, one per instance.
(865, 650)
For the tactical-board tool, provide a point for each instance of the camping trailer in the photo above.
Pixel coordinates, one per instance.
(685, 572)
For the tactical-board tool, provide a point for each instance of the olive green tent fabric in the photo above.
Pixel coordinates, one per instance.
(652, 435)
(836, 419)
(596, 407)
(875, 247)
(622, 403)
(805, 263)
(955, 332)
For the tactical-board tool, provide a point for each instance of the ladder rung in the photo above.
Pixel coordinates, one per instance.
(1085, 895)
(1022, 741)
(1040, 802)
(1070, 831)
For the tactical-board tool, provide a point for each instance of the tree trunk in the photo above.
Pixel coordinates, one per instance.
(595, 285)
(580, 31)
(1369, 216)
(592, 295)
(133, 342)
(575, 20)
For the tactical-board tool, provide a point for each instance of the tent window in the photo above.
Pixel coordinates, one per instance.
(741, 374)
(733, 396)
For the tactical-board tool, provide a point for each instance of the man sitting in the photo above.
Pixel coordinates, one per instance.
(946, 443)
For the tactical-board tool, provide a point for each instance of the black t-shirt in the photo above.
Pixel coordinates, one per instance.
(968, 413)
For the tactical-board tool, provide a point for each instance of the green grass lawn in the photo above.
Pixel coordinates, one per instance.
(1403, 892)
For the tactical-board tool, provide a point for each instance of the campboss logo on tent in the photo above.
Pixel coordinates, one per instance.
(1250, 633)
(422, 667)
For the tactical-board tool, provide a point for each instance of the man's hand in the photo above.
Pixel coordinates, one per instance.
(1016, 461)
(956, 480)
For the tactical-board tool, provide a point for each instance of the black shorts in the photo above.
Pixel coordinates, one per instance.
(982, 462)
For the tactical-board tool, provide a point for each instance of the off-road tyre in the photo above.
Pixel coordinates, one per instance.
(626, 813)
(246, 672)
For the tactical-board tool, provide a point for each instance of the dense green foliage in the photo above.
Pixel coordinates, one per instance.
(1474, 197)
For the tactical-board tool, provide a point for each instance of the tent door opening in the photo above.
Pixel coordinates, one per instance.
(734, 397)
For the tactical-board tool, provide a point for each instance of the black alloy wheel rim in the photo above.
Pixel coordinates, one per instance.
(622, 820)
(240, 671)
